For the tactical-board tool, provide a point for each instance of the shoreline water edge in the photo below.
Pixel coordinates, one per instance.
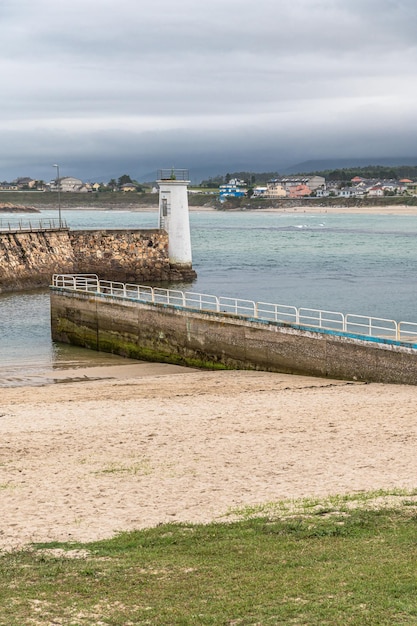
(373, 209)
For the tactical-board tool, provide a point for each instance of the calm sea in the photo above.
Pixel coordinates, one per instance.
(365, 264)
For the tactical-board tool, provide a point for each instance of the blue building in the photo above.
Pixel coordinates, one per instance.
(233, 189)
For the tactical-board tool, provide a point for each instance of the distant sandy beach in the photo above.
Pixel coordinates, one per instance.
(305, 208)
(376, 210)
(117, 448)
(302, 208)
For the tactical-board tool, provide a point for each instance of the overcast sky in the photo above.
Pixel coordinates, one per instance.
(106, 87)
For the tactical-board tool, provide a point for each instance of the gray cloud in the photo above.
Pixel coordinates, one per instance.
(105, 86)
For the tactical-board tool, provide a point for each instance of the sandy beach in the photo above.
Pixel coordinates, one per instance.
(359, 210)
(118, 448)
(401, 209)
(314, 209)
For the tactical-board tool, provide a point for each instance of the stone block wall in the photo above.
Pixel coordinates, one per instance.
(29, 259)
(124, 256)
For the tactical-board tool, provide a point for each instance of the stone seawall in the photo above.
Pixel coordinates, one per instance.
(28, 259)
(157, 332)
(124, 256)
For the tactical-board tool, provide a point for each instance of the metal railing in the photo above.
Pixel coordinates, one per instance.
(173, 174)
(316, 319)
(29, 226)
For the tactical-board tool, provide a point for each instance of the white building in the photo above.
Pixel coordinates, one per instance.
(67, 183)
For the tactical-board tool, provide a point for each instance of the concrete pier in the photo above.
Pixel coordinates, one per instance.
(211, 339)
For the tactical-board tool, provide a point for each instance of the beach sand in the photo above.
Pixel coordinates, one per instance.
(129, 447)
(344, 210)
(401, 209)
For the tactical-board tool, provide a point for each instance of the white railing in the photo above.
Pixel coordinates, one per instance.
(351, 324)
(407, 331)
(373, 326)
(29, 226)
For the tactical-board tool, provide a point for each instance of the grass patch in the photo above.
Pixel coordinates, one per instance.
(339, 504)
(142, 468)
(8, 485)
(350, 567)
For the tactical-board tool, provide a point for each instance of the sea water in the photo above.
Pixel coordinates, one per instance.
(352, 263)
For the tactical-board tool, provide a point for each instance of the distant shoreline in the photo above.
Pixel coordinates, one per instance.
(394, 209)
(376, 210)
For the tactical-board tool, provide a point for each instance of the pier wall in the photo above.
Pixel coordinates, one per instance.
(123, 256)
(29, 258)
(207, 339)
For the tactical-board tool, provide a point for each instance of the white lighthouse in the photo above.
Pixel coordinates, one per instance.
(174, 217)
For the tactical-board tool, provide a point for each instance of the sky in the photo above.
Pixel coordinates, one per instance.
(104, 87)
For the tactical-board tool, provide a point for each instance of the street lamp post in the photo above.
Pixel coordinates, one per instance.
(59, 195)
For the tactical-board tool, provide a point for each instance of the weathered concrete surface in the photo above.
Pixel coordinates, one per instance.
(159, 333)
(28, 259)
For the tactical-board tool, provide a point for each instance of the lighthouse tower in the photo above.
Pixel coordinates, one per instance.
(174, 217)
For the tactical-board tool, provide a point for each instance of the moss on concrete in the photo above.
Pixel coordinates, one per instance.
(74, 334)
(127, 348)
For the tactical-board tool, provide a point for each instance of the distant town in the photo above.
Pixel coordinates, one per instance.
(317, 187)
(232, 186)
(75, 185)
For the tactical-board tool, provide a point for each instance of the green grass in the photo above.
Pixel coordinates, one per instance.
(310, 563)
(105, 199)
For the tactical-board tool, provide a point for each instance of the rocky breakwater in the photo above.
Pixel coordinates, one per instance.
(29, 258)
(8, 207)
(120, 255)
(126, 256)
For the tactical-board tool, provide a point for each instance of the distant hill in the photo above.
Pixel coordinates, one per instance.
(216, 174)
(322, 165)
